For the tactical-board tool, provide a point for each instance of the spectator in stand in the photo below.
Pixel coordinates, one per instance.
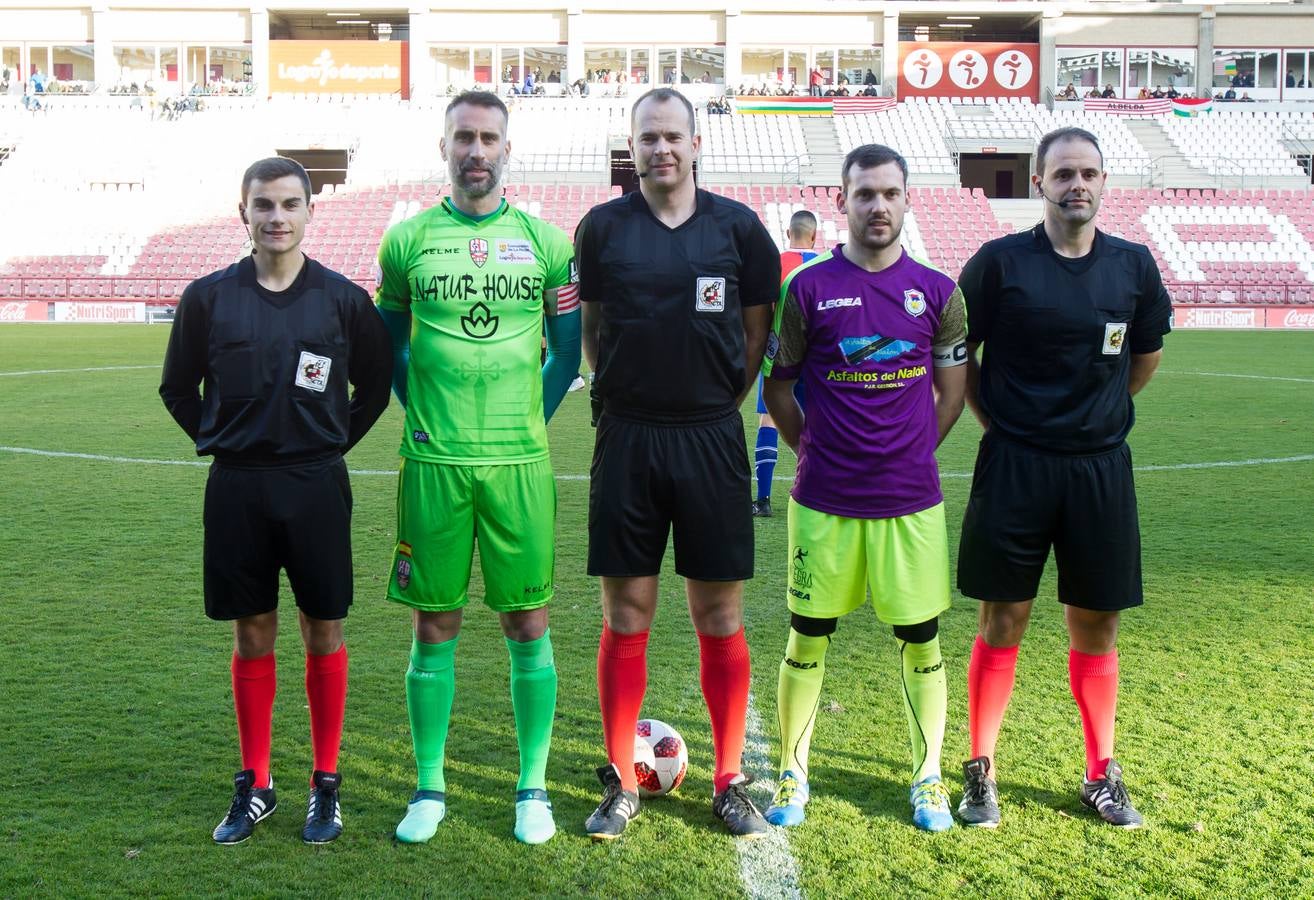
(869, 78)
(871, 91)
(1229, 94)
(1143, 93)
(1107, 94)
(1291, 78)
(1069, 92)
(528, 87)
(1172, 93)
(1303, 83)
(814, 82)
(1093, 94)
(1158, 93)
(1246, 98)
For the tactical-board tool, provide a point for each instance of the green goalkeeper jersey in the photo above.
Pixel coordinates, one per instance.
(477, 291)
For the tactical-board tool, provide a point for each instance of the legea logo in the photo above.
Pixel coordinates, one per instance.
(323, 69)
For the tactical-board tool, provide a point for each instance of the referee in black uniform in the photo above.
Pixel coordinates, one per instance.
(677, 286)
(275, 340)
(1072, 323)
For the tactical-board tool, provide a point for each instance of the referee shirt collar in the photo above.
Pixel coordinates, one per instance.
(1040, 240)
(702, 204)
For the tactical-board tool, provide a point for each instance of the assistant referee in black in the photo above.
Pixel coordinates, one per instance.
(274, 341)
(1071, 323)
(677, 286)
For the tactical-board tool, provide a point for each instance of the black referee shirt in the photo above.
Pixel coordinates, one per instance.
(1058, 334)
(275, 366)
(671, 346)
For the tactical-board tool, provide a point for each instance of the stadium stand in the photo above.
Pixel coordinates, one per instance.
(758, 144)
(1251, 141)
(127, 229)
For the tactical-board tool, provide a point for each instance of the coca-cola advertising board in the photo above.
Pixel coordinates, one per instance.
(1299, 317)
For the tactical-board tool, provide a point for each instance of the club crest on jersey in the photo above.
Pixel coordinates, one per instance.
(313, 371)
(478, 251)
(710, 295)
(914, 302)
(1114, 333)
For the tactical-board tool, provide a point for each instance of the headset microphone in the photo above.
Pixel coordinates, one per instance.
(1061, 204)
(247, 225)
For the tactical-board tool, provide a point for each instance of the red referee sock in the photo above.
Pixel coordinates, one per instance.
(254, 684)
(1094, 681)
(725, 675)
(326, 689)
(622, 681)
(990, 677)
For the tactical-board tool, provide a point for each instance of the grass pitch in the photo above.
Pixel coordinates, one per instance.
(117, 732)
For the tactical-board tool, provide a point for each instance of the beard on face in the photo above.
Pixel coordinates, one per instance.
(474, 189)
(876, 243)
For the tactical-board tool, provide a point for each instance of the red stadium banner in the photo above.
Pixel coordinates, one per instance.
(970, 69)
(337, 67)
(24, 311)
(1289, 317)
(1284, 317)
(1159, 107)
(851, 106)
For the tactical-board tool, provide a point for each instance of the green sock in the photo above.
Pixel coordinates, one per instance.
(430, 686)
(926, 700)
(534, 700)
(797, 693)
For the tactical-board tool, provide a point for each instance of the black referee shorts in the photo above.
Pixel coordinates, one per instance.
(1024, 500)
(260, 520)
(648, 480)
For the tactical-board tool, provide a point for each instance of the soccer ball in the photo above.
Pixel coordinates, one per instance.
(660, 758)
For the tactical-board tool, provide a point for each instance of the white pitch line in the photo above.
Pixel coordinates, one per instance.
(65, 371)
(1235, 375)
(767, 868)
(136, 460)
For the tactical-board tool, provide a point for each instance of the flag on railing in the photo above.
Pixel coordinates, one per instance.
(797, 106)
(847, 106)
(1127, 107)
(1192, 106)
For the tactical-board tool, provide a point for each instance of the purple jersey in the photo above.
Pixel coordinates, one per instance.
(865, 345)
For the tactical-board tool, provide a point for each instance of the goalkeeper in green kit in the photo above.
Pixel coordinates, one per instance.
(467, 290)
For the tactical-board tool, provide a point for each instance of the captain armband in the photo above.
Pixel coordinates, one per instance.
(950, 355)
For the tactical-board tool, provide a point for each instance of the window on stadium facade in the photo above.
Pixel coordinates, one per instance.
(451, 67)
(11, 75)
(1299, 71)
(547, 63)
(1159, 67)
(135, 67)
(702, 65)
(481, 59)
(1086, 67)
(217, 70)
(668, 68)
(1245, 69)
(603, 62)
(854, 64)
(758, 65)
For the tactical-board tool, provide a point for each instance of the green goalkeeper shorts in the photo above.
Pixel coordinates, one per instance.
(835, 560)
(443, 510)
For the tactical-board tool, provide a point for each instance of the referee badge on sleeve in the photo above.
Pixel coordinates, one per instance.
(313, 371)
(1114, 332)
(710, 295)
